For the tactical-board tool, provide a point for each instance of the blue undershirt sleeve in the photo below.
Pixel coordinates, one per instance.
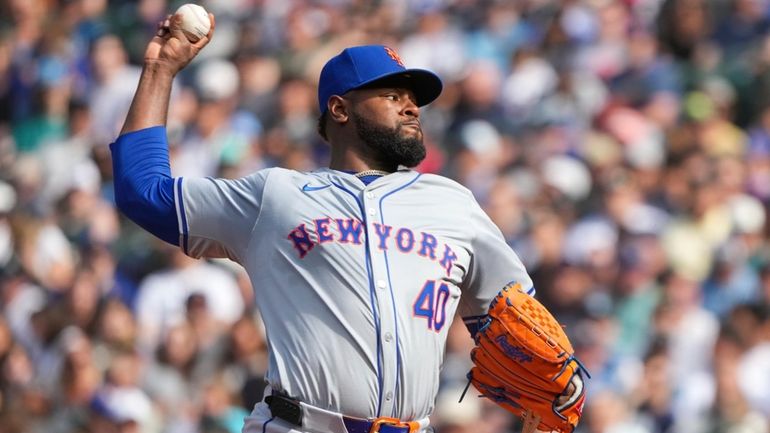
(474, 323)
(144, 188)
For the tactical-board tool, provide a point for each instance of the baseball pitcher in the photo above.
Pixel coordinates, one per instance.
(358, 268)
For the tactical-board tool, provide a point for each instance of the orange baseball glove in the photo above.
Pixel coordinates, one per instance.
(524, 362)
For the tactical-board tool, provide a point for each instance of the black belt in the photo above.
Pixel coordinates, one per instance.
(289, 410)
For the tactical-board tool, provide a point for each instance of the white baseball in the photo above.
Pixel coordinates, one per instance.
(195, 21)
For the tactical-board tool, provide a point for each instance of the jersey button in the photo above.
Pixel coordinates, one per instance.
(389, 396)
(381, 284)
(369, 195)
(372, 212)
(388, 337)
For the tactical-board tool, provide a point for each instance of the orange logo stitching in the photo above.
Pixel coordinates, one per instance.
(394, 55)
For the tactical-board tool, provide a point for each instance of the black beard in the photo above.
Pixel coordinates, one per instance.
(388, 145)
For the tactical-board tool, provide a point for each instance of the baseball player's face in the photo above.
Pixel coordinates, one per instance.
(387, 122)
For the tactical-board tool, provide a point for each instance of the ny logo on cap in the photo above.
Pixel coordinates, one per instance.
(394, 55)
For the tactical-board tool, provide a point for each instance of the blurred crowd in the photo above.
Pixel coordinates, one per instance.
(622, 146)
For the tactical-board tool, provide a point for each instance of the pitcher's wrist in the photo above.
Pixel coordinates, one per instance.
(159, 68)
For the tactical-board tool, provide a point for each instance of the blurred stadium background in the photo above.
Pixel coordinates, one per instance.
(623, 147)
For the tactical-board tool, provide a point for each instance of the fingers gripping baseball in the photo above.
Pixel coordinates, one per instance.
(171, 48)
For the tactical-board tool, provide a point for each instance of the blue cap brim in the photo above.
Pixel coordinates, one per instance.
(425, 84)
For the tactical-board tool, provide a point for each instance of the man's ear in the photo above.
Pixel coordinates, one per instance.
(337, 107)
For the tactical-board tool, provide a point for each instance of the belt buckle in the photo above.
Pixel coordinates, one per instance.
(377, 423)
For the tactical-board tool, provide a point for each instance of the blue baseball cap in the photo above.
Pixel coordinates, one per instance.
(358, 67)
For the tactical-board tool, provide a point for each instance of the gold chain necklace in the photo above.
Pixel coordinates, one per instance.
(372, 173)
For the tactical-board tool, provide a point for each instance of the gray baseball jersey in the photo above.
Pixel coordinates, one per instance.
(357, 285)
